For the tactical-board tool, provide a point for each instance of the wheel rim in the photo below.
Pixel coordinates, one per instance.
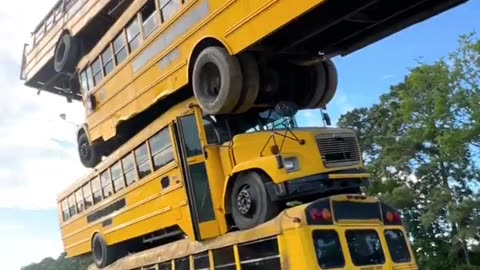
(245, 201)
(211, 81)
(85, 151)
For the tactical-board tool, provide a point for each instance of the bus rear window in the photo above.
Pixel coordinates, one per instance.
(328, 249)
(365, 247)
(397, 246)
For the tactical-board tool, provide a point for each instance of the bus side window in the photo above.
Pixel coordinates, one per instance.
(129, 169)
(201, 261)
(168, 8)
(224, 258)
(106, 183)
(120, 48)
(79, 200)
(182, 263)
(97, 71)
(65, 211)
(133, 35)
(72, 205)
(117, 177)
(263, 254)
(150, 19)
(165, 266)
(90, 78)
(83, 83)
(161, 147)
(143, 161)
(87, 195)
(107, 60)
(97, 190)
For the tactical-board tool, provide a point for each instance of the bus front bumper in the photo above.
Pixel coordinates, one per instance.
(316, 186)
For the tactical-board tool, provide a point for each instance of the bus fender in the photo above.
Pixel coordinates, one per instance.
(82, 128)
(267, 165)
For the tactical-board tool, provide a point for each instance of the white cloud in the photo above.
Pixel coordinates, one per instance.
(37, 149)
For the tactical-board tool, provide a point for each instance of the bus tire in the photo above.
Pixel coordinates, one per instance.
(89, 156)
(251, 204)
(318, 84)
(67, 53)
(102, 254)
(250, 84)
(217, 80)
(331, 86)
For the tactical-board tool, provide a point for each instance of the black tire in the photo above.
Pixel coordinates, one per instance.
(331, 86)
(250, 83)
(67, 54)
(318, 84)
(102, 254)
(89, 156)
(251, 204)
(217, 80)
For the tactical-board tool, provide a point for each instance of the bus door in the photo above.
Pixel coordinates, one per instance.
(195, 177)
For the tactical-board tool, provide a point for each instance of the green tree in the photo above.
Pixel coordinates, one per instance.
(421, 142)
(61, 263)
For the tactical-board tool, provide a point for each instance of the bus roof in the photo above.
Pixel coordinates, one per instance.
(181, 248)
(162, 121)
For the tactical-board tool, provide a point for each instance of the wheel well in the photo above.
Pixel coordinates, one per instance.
(232, 180)
(207, 42)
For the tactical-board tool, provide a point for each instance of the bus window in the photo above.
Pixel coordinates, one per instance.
(192, 140)
(87, 195)
(106, 183)
(259, 255)
(161, 148)
(365, 247)
(129, 169)
(143, 161)
(182, 263)
(90, 78)
(165, 266)
(83, 83)
(117, 177)
(72, 205)
(168, 8)
(150, 19)
(133, 35)
(97, 190)
(397, 246)
(65, 211)
(224, 259)
(201, 261)
(120, 48)
(97, 71)
(79, 200)
(107, 60)
(328, 249)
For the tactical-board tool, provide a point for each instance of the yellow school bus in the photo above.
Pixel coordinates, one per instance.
(69, 30)
(195, 175)
(340, 232)
(231, 55)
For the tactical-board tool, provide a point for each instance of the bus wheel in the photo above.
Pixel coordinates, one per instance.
(67, 53)
(87, 152)
(217, 80)
(250, 84)
(250, 202)
(331, 82)
(102, 254)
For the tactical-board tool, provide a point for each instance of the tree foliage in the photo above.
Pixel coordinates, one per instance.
(61, 263)
(421, 143)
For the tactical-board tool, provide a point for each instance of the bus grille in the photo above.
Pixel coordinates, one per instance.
(338, 150)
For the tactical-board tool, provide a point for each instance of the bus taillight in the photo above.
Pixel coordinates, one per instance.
(393, 217)
(321, 215)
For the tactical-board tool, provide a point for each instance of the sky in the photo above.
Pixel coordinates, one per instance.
(38, 155)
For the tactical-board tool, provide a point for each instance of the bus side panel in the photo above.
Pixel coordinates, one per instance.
(148, 209)
(298, 241)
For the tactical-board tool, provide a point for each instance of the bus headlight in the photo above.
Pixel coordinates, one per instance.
(291, 164)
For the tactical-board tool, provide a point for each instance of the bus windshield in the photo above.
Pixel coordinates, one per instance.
(222, 128)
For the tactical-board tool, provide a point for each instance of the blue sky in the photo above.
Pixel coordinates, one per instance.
(37, 153)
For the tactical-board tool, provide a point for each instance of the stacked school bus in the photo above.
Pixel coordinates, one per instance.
(340, 232)
(192, 104)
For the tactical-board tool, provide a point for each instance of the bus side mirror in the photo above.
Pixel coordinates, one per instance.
(326, 119)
